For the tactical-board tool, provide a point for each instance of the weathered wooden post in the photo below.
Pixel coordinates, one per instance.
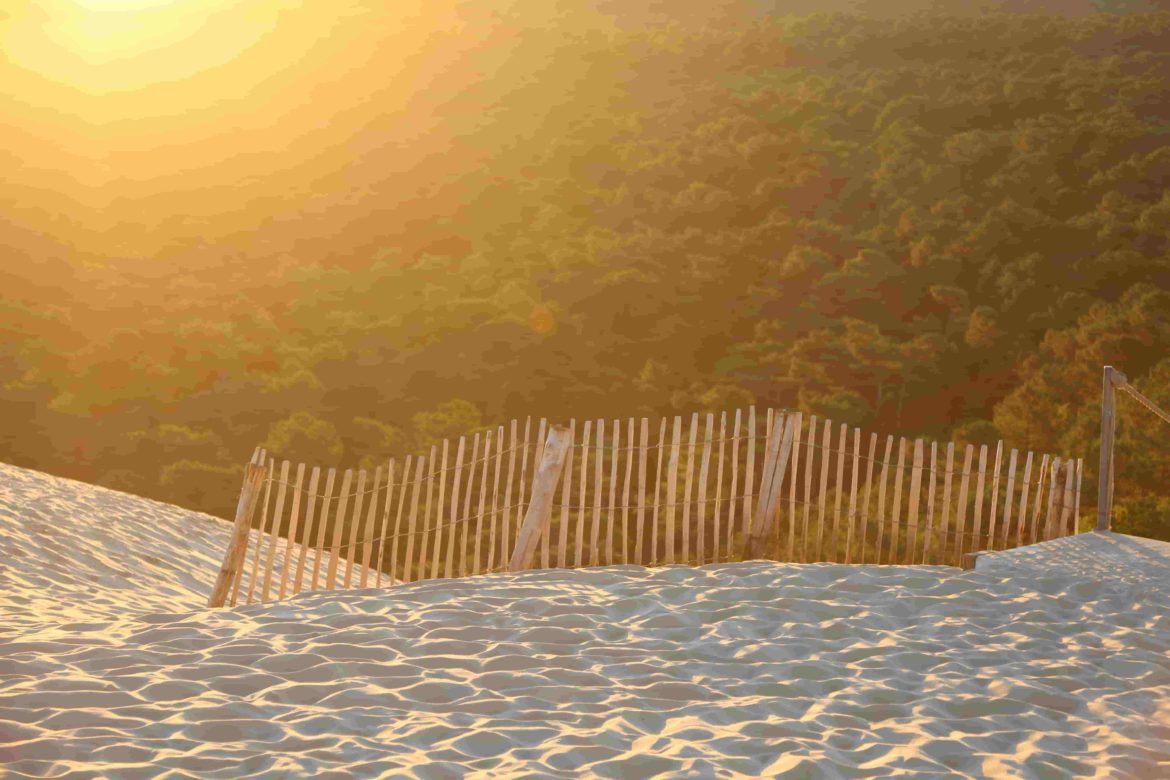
(544, 483)
(775, 464)
(1068, 500)
(237, 548)
(1109, 381)
(1055, 490)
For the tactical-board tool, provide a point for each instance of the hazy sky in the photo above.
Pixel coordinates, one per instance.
(120, 114)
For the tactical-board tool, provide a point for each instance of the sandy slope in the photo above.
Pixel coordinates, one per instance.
(751, 669)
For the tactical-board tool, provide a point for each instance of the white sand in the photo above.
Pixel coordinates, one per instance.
(109, 665)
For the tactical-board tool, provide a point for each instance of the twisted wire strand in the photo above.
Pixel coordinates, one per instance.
(1146, 402)
(829, 450)
(405, 534)
(946, 538)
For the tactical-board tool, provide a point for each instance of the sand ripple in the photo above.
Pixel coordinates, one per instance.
(732, 670)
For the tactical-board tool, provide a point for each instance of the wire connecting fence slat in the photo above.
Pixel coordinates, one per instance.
(457, 509)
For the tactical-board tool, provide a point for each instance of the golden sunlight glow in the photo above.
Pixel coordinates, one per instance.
(133, 123)
(104, 46)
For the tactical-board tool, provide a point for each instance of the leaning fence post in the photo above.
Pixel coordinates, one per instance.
(544, 483)
(237, 547)
(1111, 378)
(771, 480)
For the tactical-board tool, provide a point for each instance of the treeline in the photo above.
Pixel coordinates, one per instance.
(924, 223)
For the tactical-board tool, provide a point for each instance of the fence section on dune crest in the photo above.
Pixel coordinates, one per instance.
(699, 489)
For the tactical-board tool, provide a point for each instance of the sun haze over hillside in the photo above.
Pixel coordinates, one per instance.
(345, 229)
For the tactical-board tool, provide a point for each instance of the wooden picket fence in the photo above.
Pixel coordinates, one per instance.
(778, 485)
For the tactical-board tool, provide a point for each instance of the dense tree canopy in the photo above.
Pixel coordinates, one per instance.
(932, 223)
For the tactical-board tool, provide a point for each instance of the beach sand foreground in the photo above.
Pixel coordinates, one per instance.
(1052, 661)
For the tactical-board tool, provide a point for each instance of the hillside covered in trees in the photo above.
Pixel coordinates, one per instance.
(903, 217)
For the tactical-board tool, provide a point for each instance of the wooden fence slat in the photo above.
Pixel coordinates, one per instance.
(264, 529)
(394, 578)
(1077, 500)
(794, 471)
(654, 559)
(881, 518)
(547, 472)
(687, 488)
(355, 523)
(367, 529)
(338, 526)
(991, 525)
(626, 491)
(522, 498)
(915, 496)
(834, 545)
(734, 482)
(1069, 490)
(566, 498)
(704, 468)
(896, 514)
(437, 551)
(756, 537)
(470, 549)
(465, 516)
(479, 512)
(961, 519)
(274, 538)
(453, 518)
(1053, 491)
(928, 540)
(368, 533)
(808, 476)
(851, 516)
(615, 450)
(307, 535)
(672, 487)
(425, 555)
(717, 502)
(1022, 512)
(944, 526)
(259, 456)
(578, 553)
(644, 440)
(291, 537)
(939, 537)
(384, 529)
(757, 542)
(716, 518)
(511, 517)
(1061, 486)
(227, 580)
(872, 455)
(598, 494)
(499, 519)
(749, 479)
(822, 507)
(546, 531)
(1041, 481)
(981, 481)
(1013, 456)
(322, 523)
(415, 489)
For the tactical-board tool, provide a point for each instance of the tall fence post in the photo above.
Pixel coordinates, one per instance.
(237, 548)
(544, 483)
(1111, 378)
(775, 463)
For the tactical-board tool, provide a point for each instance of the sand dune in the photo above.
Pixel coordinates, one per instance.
(112, 668)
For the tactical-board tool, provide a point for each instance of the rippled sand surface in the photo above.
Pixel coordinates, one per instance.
(109, 666)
